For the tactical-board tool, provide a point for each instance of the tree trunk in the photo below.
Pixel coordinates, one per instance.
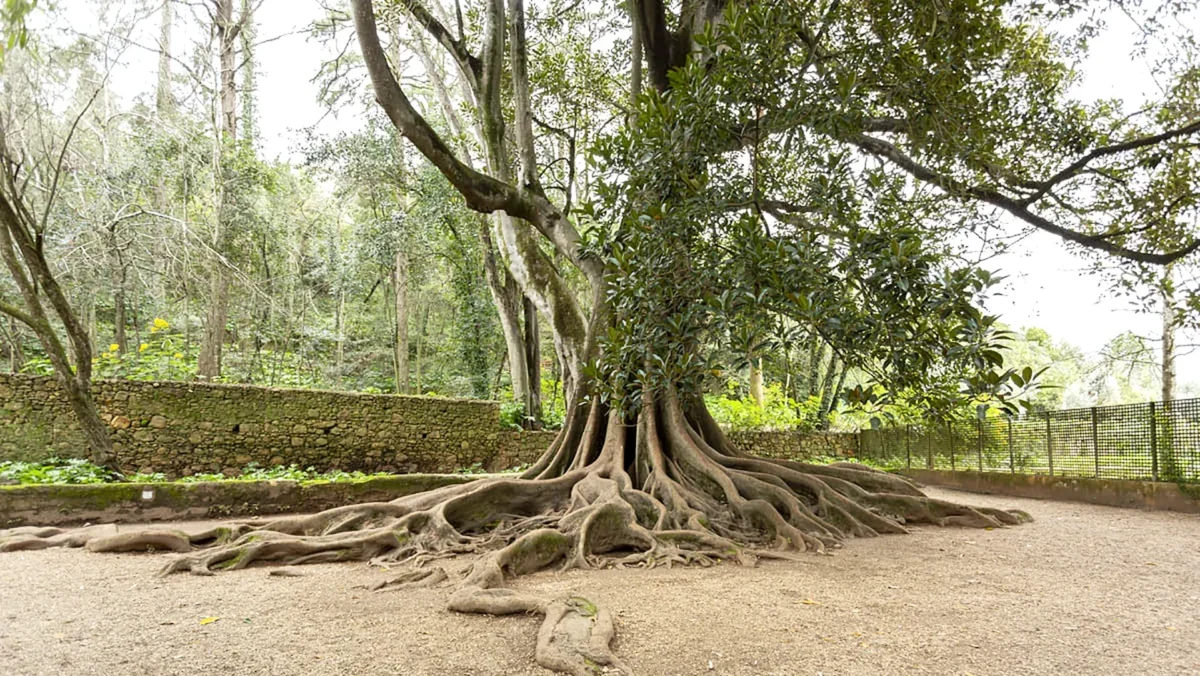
(119, 337)
(212, 340)
(829, 390)
(227, 34)
(756, 381)
(815, 349)
(341, 337)
(400, 284)
(35, 281)
(164, 100)
(246, 35)
(506, 297)
(421, 348)
(1168, 338)
(16, 355)
(533, 363)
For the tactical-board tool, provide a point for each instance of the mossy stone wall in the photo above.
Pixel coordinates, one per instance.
(188, 428)
(182, 429)
(796, 445)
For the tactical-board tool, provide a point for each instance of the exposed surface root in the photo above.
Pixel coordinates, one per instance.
(667, 490)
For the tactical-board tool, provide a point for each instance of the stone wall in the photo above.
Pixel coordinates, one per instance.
(188, 428)
(796, 445)
(521, 449)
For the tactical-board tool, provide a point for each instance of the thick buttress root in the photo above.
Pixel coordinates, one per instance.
(667, 490)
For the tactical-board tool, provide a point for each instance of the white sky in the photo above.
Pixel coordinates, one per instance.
(1046, 287)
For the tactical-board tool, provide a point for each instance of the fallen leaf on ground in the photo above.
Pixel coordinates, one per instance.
(810, 602)
(208, 620)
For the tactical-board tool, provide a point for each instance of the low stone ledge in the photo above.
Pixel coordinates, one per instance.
(65, 505)
(1153, 495)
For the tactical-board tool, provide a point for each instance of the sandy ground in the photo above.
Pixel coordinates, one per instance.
(1083, 590)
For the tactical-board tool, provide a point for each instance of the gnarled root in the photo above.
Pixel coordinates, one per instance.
(674, 492)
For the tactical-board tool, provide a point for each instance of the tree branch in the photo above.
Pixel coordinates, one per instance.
(891, 153)
(523, 115)
(481, 192)
(468, 63)
(1080, 165)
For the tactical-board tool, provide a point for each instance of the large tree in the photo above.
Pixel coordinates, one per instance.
(783, 161)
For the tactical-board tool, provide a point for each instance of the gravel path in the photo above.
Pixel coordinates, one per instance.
(1083, 590)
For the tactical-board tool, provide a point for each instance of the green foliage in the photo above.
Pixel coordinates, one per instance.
(474, 468)
(77, 471)
(12, 22)
(778, 412)
(512, 415)
(554, 407)
(256, 472)
(55, 471)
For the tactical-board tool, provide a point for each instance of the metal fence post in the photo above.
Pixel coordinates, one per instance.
(1012, 459)
(1096, 441)
(950, 434)
(1049, 445)
(1153, 443)
(908, 446)
(979, 446)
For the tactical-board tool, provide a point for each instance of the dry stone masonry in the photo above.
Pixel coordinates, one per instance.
(182, 429)
(188, 428)
(796, 445)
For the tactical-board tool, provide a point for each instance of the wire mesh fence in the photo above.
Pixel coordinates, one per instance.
(1157, 441)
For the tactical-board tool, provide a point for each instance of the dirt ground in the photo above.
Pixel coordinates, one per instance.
(1083, 590)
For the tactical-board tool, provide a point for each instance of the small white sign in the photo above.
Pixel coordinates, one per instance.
(148, 494)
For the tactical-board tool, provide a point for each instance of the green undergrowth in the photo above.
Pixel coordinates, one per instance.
(869, 462)
(58, 471)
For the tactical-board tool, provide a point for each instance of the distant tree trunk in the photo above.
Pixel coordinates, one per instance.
(814, 365)
(506, 296)
(341, 335)
(400, 282)
(208, 365)
(756, 381)
(533, 365)
(829, 390)
(16, 355)
(421, 348)
(248, 121)
(119, 314)
(119, 280)
(1168, 339)
(164, 100)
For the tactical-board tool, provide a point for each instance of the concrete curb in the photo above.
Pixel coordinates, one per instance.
(1152, 495)
(61, 505)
